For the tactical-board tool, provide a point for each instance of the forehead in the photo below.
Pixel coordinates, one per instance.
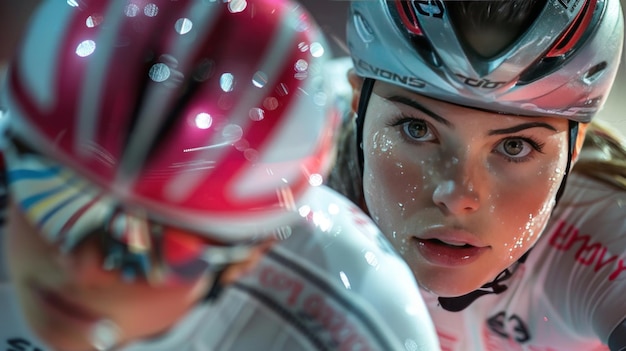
(456, 114)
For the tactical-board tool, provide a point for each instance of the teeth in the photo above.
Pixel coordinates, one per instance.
(452, 244)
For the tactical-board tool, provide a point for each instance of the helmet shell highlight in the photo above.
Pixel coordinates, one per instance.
(563, 65)
(210, 115)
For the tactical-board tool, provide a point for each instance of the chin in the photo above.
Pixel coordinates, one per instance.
(61, 340)
(53, 335)
(448, 283)
(448, 290)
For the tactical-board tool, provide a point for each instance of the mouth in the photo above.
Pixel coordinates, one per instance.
(58, 305)
(449, 253)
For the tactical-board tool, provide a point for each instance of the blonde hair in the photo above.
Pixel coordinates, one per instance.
(607, 155)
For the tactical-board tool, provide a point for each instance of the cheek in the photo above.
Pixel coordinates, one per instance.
(392, 181)
(141, 311)
(523, 207)
(23, 246)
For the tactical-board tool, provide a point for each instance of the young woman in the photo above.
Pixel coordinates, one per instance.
(469, 116)
(151, 151)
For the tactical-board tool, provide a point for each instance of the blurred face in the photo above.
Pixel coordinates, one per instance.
(461, 193)
(64, 296)
(67, 297)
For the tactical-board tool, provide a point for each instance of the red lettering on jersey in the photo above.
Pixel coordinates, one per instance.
(589, 253)
(280, 281)
(316, 306)
(617, 271)
(447, 342)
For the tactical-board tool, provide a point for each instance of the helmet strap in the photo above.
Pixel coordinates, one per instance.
(216, 287)
(573, 135)
(459, 303)
(364, 98)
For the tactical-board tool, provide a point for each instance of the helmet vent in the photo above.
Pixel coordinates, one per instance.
(594, 73)
(363, 28)
(575, 31)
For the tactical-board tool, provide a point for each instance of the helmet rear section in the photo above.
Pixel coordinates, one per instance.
(212, 116)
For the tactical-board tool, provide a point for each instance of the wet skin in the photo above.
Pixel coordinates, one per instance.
(460, 193)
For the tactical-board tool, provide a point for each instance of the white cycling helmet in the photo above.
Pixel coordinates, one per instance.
(563, 64)
(212, 116)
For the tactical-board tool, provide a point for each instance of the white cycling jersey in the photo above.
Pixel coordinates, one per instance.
(569, 295)
(334, 284)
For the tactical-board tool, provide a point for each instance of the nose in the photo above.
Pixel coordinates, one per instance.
(457, 192)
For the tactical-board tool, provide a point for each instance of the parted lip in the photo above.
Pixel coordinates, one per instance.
(58, 300)
(451, 235)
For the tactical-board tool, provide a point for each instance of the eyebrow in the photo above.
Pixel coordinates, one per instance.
(416, 105)
(521, 127)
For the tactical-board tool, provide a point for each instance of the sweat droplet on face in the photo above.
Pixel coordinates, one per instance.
(380, 141)
(386, 145)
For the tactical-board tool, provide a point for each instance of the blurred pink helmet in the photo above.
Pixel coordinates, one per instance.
(210, 115)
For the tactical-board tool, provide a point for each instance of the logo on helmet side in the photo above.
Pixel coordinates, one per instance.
(479, 83)
(410, 81)
(430, 8)
(569, 4)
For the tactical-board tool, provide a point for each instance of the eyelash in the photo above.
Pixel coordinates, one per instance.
(401, 120)
(534, 143)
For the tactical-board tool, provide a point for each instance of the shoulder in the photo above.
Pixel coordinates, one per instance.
(334, 236)
(337, 279)
(329, 217)
(582, 256)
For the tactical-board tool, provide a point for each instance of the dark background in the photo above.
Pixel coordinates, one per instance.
(331, 15)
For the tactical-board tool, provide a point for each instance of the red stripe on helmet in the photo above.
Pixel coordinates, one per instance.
(211, 194)
(67, 84)
(575, 30)
(408, 16)
(127, 85)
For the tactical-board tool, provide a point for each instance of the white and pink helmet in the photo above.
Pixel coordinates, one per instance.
(563, 64)
(211, 115)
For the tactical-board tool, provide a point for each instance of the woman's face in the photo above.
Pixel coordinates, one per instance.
(62, 296)
(461, 193)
